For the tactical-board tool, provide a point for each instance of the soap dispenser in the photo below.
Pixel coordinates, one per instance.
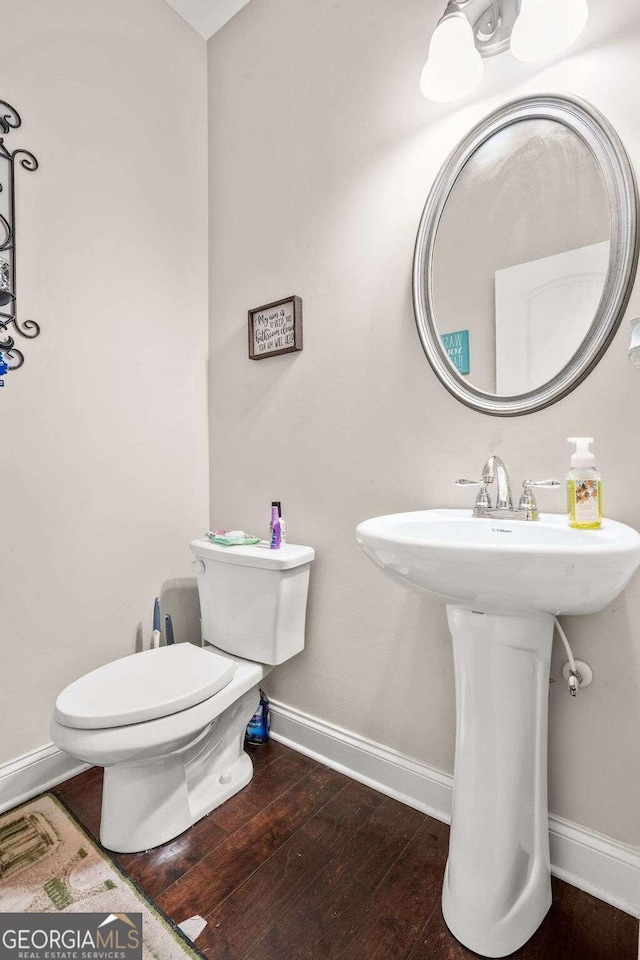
(584, 487)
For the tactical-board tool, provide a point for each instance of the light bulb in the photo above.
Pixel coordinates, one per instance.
(545, 27)
(454, 66)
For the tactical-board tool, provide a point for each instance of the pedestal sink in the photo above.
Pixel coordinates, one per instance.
(503, 582)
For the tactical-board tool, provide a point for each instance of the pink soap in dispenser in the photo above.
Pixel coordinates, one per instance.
(276, 529)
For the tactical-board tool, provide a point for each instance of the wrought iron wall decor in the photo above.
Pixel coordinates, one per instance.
(11, 358)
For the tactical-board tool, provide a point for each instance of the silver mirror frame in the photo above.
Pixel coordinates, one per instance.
(605, 145)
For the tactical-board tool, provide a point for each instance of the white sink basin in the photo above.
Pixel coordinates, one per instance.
(541, 566)
(503, 581)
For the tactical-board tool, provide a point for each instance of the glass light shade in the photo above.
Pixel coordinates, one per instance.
(454, 67)
(545, 27)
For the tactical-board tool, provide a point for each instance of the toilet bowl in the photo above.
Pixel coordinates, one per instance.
(168, 724)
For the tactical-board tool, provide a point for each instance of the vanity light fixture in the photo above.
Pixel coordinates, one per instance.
(470, 30)
(545, 27)
(454, 67)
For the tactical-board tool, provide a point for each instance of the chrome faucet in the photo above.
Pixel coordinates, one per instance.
(496, 471)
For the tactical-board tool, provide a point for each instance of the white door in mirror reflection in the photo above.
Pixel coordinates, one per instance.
(543, 311)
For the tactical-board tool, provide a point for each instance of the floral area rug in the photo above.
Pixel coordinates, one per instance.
(48, 864)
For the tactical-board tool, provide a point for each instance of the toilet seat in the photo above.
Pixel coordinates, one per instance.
(165, 735)
(145, 686)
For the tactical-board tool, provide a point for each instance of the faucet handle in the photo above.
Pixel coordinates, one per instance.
(541, 483)
(528, 501)
(483, 500)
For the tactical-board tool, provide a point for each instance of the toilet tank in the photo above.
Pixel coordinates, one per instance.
(253, 600)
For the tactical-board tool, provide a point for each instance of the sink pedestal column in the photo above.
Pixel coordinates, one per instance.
(497, 886)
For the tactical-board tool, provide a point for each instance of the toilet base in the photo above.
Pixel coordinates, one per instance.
(150, 802)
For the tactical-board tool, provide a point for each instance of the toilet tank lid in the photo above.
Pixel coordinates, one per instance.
(260, 555)
(145, 686)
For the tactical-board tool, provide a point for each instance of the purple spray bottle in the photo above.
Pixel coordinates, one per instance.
(276, 529)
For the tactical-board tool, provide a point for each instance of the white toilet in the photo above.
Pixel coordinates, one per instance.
(168, 724)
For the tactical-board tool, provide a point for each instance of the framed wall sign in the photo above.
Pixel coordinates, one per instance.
(456, 346)
(275, 328)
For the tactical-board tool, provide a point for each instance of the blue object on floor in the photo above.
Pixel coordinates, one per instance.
(156, 614)
(259, 726)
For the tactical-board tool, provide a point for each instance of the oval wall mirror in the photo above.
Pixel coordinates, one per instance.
(526, 255)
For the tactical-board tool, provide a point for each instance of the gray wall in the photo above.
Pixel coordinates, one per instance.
(322, 152)
(103, 455)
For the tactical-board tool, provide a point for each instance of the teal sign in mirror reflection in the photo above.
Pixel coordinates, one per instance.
(457, 347)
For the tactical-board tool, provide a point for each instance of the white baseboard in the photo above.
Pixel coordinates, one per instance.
(35, 772)
(596, 864)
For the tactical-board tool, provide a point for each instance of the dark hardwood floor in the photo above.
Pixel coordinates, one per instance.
(305, 864)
